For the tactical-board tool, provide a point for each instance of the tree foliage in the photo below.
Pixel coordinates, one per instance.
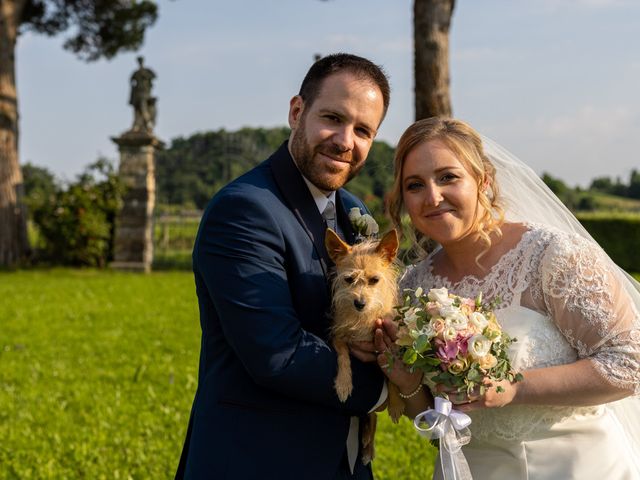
(193, 169)
(618, 187)
(101, 28)
(40, 186)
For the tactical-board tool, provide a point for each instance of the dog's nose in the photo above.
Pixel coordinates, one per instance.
(359, 304)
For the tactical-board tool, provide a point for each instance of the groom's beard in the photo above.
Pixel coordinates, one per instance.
(316, 169)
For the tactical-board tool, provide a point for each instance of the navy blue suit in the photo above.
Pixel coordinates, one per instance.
(265, 406)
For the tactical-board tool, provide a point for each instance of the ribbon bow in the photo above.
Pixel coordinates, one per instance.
(451, 428)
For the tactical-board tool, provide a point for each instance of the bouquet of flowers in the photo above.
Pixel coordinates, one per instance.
(455, 341)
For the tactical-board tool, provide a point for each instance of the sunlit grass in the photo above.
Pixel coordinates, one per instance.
(98, 371)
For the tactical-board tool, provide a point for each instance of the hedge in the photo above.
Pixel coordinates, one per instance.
(618, 234)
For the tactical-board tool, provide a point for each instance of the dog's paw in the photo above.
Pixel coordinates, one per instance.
(368, 454)
(395, 411)
(343, 390)
(395, 405)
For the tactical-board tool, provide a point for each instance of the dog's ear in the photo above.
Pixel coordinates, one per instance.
(336, 248)
(388, 246)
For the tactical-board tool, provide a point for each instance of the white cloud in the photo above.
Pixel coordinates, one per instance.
(591, 123)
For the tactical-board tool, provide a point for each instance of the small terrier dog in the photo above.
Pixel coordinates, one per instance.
(364, 289)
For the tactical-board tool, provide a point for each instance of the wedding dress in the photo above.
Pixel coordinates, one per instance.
(562, 301)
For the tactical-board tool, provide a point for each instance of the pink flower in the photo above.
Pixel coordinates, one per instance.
(470, 302)
(448, 351)
(462, 340)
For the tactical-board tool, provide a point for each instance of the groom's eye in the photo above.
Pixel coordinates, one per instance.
(374, 280)
(349, 279)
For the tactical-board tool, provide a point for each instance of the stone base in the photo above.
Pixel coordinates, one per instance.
(133, 243)
(140, 267)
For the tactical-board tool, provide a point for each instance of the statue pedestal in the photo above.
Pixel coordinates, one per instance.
(133, 245)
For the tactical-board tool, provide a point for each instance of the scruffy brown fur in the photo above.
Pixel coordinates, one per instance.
(364, 289)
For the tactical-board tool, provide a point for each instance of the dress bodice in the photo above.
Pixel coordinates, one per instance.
(561, 299)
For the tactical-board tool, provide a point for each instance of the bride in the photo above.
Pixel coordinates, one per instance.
(500, 231)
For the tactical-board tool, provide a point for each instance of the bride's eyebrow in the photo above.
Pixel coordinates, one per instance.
(449, 167)
(412, 177)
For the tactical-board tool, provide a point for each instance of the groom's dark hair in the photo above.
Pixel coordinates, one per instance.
(343, 62)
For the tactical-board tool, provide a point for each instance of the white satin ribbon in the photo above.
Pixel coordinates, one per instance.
(451, 428)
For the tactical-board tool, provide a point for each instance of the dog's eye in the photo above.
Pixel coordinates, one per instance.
(349, 279)
(373, 280)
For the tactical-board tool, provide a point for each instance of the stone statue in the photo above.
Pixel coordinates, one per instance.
(144, 105)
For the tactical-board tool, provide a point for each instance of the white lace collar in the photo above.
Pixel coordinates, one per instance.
(508, 258)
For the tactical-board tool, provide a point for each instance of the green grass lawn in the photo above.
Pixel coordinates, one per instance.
(98, 371)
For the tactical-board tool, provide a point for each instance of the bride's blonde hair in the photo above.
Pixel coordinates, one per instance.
(466, 144)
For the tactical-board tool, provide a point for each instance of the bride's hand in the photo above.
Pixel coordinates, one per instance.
(492, 397)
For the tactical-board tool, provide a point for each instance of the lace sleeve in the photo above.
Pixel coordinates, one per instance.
(585, 297)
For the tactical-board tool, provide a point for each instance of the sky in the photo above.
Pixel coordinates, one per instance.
(554, 81)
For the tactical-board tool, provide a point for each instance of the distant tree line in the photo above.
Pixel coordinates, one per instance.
(617, 187)
(599, 195)
(191, 170)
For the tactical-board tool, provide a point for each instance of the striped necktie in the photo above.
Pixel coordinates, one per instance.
(329, 215)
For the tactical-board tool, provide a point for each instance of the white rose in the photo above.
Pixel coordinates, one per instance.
(478, 320)
(479, 346)
(354, 214)
(458, 320)
(370, 225)
(440, 295)
(487, 362)
(427, 330)
(447, 311)
(449, 333)
(411, 318)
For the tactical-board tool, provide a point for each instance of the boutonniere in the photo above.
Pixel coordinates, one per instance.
(365, 225)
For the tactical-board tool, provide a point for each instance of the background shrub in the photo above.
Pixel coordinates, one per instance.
(618, 234)
(74, 225)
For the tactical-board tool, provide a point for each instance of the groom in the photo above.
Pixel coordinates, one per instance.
(265, 406)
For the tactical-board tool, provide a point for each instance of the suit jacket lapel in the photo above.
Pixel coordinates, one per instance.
(300, 201)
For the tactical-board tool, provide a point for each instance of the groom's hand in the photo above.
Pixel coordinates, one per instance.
(363, 351)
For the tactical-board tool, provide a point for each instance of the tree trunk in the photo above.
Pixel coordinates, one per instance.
(431, 21)
(14, 244)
